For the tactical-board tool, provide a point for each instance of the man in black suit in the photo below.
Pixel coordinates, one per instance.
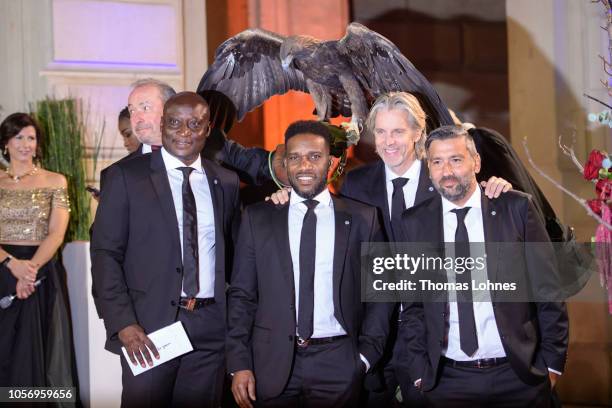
(397, 181)
(465, 353)
(160, 252)
(298, 333)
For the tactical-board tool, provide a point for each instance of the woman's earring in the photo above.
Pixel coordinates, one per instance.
(5, 151)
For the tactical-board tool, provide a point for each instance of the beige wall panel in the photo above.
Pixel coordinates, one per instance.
(115, 34)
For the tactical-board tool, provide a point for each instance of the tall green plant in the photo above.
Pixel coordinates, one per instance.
(63, 152)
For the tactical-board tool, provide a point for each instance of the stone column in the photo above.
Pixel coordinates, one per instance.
(552, 61)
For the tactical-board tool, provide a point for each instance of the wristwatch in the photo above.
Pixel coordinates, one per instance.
(6, 261)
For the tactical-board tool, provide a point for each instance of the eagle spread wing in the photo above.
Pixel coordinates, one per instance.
(248, 70)
(380, 67)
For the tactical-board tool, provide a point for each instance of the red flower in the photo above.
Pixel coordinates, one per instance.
(593, 164)
(595, 205)
(604, 189)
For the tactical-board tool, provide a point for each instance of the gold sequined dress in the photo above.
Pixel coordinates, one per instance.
(36, 347)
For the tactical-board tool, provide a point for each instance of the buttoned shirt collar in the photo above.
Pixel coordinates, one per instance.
(412, 174)
(324, 198)
(473, 202)
(172, 162)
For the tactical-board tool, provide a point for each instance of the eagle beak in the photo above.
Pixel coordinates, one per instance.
(287, 62)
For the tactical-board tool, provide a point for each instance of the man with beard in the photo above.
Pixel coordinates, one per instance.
(467, 353)
(397, 181)
(298, 333)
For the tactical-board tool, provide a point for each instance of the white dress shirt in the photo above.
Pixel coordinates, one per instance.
(324, 321)
(205, 214)
(410, 188)
(146, 148)
(489, 342)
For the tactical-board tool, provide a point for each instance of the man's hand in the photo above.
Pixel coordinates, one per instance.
(24, 289)
(137, 344)
(243, 388)
(553, 377)
(277, 164)
(280, 197)
(23, 270)
(495, 186)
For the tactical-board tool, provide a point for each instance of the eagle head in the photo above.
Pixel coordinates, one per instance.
(286, 51)
(293, 46)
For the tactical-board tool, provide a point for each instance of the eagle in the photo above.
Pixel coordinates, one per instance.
(343, 77)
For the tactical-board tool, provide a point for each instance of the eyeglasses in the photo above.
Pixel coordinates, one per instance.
(193, 124)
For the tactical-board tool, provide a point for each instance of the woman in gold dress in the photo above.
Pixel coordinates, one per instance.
(35, 334)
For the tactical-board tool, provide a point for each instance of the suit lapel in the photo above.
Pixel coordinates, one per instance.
(431, 230)
(378, 189)
(280, 226)
(159, 179)
(216, 193)
(425, 189)
(490, 220)
(342, 231)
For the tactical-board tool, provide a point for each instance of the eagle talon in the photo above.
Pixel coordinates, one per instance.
(353, 131)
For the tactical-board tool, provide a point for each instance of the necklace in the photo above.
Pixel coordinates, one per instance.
(16, 178)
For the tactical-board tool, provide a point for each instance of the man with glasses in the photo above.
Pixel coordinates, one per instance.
(160, 252)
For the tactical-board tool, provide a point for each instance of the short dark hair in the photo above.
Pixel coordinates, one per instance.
(308, 126)
(124, 114)
(12, 125)
(451, 132)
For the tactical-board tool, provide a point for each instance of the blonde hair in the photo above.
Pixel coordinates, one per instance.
(409, 104)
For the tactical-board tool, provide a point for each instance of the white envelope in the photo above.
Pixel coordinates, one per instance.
(171, 341)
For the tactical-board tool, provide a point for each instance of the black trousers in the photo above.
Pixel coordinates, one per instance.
(322, 376)
(490, 387)
(192, 380)
(380, 384)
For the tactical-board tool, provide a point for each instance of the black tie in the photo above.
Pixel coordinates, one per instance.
(467, 323)
(191, 268)
(398, 204)
(308, 240)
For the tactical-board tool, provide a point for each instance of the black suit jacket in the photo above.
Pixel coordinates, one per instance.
(368, 184)
(104, 172)
(534, 335)
(261, 298)
(135, 248)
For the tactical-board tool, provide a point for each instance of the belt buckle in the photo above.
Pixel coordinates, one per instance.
(191, 303)
(301, 342)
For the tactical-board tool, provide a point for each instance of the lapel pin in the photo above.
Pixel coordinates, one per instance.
(430, 188)
(493, 212)
(215, 181)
